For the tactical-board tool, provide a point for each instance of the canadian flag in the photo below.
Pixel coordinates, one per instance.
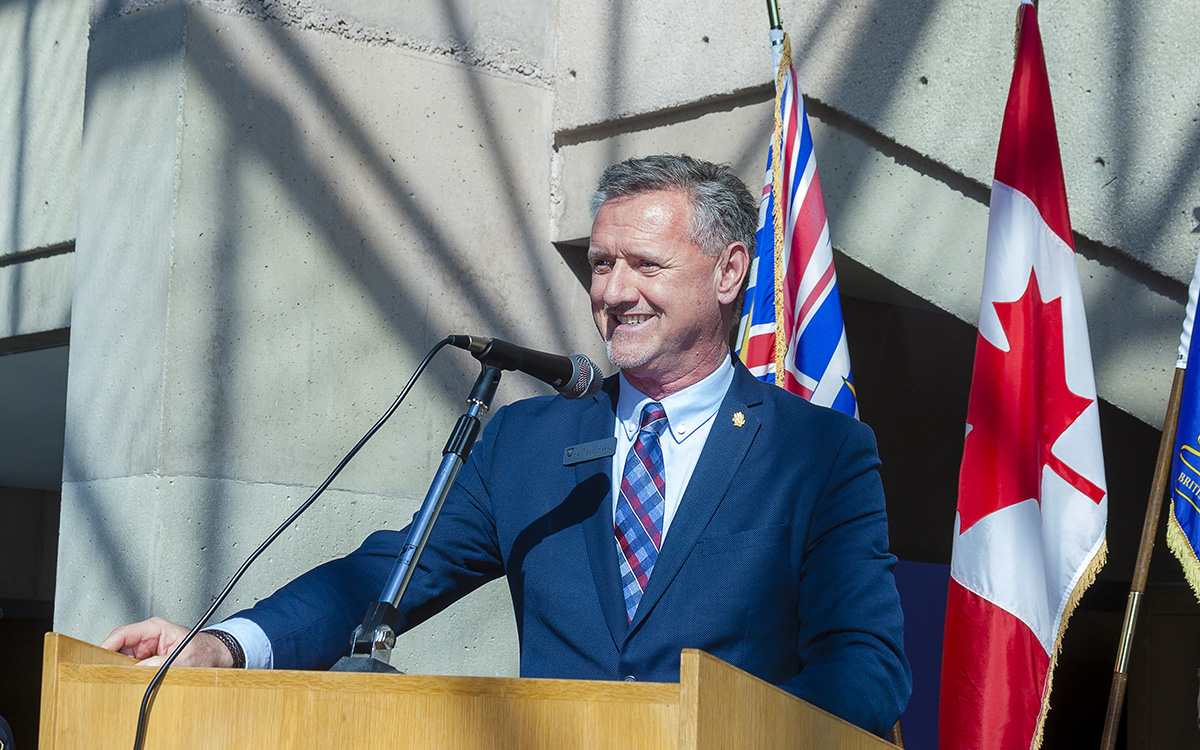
(1032, 503)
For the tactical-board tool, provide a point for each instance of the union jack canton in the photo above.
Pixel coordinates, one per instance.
(795, 291)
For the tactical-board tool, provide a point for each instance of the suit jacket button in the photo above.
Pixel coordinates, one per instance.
(630, 678)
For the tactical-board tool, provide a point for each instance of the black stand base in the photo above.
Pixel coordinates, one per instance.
(363, 664)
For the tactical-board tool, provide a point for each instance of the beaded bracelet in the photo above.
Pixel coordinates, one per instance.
(231, 643)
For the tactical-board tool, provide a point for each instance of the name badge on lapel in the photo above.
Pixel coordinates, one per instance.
(577, 454)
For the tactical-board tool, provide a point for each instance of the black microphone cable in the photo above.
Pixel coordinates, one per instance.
(152, 689)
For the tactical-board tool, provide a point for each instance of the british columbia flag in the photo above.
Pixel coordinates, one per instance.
(792, 318)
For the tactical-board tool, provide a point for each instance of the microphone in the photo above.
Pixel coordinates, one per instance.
(575, 376)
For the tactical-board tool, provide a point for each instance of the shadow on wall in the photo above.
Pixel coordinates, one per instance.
(274, 141)
(880, 54)
(16, 240)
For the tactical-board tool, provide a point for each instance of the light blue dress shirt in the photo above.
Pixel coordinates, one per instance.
(690, 415)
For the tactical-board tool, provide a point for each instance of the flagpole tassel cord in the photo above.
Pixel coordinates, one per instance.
(777, 187)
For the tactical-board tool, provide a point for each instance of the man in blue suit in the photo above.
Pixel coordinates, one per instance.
(688, 505)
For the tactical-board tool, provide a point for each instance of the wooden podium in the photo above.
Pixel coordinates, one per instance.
(90, 699)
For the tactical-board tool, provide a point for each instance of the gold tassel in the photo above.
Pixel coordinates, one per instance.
(1086, 580)
(1179, 544)
(777, 188)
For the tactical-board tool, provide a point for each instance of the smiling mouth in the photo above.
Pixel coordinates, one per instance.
(632, 320)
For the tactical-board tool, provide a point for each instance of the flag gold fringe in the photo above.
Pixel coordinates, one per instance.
(1085, 581)
(785, 62)
(1179, 544)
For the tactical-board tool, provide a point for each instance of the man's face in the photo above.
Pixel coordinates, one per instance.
(656, 298)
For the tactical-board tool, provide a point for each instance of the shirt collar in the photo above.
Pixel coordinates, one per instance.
(686, 410)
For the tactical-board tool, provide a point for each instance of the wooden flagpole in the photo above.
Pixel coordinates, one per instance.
(894, 735)
(1141, 568)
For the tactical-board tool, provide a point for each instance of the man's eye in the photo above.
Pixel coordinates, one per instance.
(601, 265)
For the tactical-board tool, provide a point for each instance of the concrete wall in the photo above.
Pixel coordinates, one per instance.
(285, 213)
(43, 48)
(278, 207)
(906, 102)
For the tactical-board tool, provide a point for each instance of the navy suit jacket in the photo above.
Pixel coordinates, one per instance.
(777, 560)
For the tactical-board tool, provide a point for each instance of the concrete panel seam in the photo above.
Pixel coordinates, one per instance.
(156, 543)
(283, 486)
(287, 486)
(725, 102)
(118, 10)
(308, 16)
(556, 195)
(979, 192)
(903, 155)
(37, 253)
(176, 186)
(34, 341)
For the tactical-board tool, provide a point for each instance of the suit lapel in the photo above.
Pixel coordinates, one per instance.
(724, 451)
(597, 422)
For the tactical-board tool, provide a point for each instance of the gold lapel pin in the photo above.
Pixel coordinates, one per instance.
(739, 419)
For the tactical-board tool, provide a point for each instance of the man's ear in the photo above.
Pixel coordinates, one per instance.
(732, 267)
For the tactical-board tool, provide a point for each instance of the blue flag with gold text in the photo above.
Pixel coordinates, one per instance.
(1183, 523)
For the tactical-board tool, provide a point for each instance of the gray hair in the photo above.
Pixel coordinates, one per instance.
(723, 209)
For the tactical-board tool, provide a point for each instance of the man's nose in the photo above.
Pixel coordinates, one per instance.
(620, 286)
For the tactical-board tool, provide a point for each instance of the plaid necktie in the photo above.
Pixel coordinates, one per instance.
(640, 507)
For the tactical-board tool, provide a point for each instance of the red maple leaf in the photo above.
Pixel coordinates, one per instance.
(1020, 404)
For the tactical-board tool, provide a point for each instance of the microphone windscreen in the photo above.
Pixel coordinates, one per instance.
(588, 379)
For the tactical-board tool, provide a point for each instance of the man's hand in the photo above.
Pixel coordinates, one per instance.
(153, 640)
